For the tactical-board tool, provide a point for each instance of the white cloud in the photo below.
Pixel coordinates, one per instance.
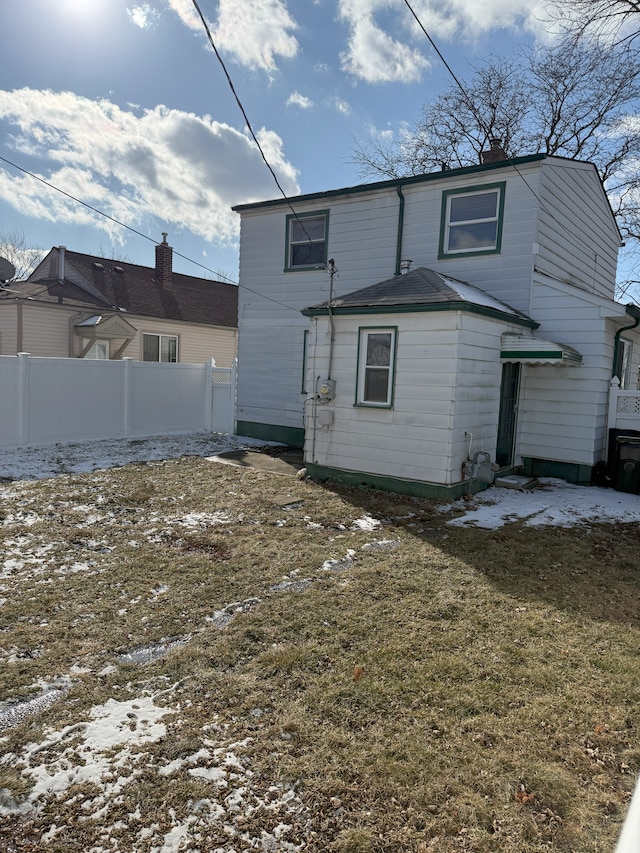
(342, 107)
(297, 100)
(183, 168)
(186, 11)
(376, 57)
(467, 19)
(386, 44)
(372, 54)
(255, 32)
(142, 16)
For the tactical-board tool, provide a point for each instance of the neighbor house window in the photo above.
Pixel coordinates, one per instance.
(376, 361)
(97, 350)
(307, 240)
(471, 221)
(159, 348)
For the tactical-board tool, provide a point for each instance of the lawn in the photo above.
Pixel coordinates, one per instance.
(207, 658)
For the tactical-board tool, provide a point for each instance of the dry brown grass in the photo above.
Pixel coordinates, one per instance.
(455, 690)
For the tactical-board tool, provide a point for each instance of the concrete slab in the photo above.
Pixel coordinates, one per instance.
(512, 481)
(287, 461)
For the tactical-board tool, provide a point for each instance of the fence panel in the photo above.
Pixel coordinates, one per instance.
(173, 396)
(68, 402)
(49, 400)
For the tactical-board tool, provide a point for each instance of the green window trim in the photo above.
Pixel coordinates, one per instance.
(448, 198)
(364, 370)
(299, 236)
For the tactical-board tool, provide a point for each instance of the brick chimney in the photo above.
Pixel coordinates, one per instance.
(164, 263)
(496, 152)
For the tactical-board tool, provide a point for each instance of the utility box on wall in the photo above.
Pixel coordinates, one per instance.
(326, 390)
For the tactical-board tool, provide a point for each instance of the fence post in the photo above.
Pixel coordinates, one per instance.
(233, 378)
(614, 389)
(24, 409)
(127, 396)
(208, 367)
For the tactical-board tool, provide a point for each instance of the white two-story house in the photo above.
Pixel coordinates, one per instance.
(406, 329)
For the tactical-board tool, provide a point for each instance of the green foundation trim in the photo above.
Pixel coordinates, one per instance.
(572, 472)
(392, 484)
(292, 436)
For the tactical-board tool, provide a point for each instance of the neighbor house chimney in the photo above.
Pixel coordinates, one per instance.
(496, 153)
(164, 263)
(61, 269)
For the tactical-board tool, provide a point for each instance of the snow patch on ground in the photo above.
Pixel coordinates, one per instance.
(554, 503)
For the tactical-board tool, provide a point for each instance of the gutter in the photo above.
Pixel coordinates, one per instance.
(632, 311)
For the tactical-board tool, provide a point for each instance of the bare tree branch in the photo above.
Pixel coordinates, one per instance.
(14, 247)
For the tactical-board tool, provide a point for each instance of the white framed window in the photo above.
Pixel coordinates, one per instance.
(471, 221)
(307, 235)
(159, 348)
(376, 365)
(98, 349)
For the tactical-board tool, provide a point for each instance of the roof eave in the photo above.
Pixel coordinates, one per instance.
(391, 183)
(423, 308)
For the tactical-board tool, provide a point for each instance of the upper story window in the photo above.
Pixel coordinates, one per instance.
(307, 235)
(376, 361)
(471, 221)
(159, 348)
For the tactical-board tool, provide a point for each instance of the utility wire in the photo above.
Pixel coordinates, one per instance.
(246, 117)
(487, 130)
(139, 233)
(111, 218)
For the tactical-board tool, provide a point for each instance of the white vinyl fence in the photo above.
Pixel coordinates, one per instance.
(49, 400)
(624, 407)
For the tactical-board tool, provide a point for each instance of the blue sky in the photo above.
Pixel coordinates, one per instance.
(122, 104)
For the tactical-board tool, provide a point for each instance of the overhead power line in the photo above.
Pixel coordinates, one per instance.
(107, 216)
(246, 117)
(139, 233)
(487, 130)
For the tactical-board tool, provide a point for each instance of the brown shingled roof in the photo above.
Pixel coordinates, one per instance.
(118, 285)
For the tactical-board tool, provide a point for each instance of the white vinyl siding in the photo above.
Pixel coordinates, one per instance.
(447, 382)
(564, 413)
(552, 209)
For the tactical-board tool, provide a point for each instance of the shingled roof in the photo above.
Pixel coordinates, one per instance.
(420, 289)
(106, 284)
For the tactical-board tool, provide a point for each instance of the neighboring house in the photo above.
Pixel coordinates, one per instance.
(81, 306)
(498, 344)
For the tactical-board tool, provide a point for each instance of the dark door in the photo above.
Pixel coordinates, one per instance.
(508, 413)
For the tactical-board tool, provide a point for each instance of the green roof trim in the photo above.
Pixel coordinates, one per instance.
(424, 308)
(394, 182)
(547, 355)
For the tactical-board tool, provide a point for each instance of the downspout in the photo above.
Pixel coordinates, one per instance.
(400, 229)
(633, 311)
